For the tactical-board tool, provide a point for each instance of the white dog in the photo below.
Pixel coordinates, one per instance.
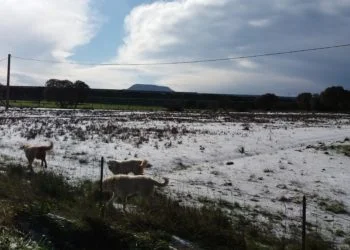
(124, 186)
(38, 152)
(125, 167)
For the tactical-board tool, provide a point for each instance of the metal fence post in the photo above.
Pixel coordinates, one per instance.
(101, 175)
(102, 212)
(303, 239)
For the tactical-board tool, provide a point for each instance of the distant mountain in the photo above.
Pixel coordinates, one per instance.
(150, 87)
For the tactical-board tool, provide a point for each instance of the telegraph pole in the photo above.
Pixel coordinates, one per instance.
(8, 81)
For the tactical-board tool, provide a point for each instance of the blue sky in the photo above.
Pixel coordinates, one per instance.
(136, 31)
(103, 46)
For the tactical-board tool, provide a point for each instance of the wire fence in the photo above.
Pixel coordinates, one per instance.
(283, 213)
(285, 216)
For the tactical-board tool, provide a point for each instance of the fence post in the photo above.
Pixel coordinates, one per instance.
(101, 189)
(101, 176)
(303, 239)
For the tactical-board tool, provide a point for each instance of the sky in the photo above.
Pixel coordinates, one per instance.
(83, 32)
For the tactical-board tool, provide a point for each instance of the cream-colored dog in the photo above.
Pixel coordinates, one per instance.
(36, 152)
(124, 167)
(124, 186)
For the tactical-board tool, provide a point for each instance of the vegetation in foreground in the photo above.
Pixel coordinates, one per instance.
(43, 211)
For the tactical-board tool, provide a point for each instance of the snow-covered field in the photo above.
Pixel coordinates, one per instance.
(264, 161)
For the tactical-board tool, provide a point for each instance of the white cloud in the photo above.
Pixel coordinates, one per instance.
(259, 22)
(245, 63)
(185, 30)
(46, 27)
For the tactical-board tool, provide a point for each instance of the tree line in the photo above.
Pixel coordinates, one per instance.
(334, 98)
(69, 94)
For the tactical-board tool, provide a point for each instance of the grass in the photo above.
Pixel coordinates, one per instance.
(47, 104)
(28, 199)
(241, 150)
(343, 149)
(51, 213)
(13, 239)
(333, 206)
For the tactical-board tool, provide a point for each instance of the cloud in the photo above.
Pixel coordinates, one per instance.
(47, 27)
(43, 29)
(259, 23)
(196, 29)
(186, 30)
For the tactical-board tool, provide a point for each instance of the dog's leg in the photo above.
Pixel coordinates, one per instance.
(30, 162)
(45, 163)
(125, 200)
(110, 201)
(107, 205)
(31, 168)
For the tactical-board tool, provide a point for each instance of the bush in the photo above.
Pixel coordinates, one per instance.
(267, 101)
(304, 101)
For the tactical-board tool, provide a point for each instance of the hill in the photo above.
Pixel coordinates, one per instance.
(149, 87)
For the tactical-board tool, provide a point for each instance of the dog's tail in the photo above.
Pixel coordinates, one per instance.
(48, 147)
(158, 184)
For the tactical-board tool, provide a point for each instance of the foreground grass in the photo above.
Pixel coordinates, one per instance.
(52, 213)
(12, 239)
(343, 149)
(47, 104)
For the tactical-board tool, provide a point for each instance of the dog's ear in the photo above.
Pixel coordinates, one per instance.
(145, 164)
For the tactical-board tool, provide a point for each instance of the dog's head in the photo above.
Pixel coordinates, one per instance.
(23, 146)
(112, 165)
(145, 164)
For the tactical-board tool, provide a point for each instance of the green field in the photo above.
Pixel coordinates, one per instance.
(47, 104)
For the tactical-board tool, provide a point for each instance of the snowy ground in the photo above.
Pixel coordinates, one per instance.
(262, 161)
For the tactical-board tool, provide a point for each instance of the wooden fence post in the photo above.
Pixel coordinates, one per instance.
(8, 81)
(303, 239)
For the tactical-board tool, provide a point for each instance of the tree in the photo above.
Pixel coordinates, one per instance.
(2, 94)
(267, 101)
(316, 102)
(81, 92)
(334, 98)
(66, 93)
(59, 91)
(2, 90)
(225, 102)
(304, 101)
